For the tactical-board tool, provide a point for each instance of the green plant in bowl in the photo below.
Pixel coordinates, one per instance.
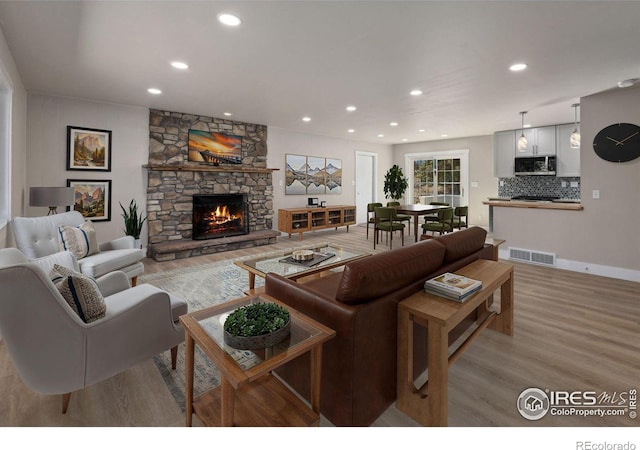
(258, 325)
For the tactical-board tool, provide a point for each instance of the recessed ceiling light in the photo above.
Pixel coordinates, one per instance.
(381, 135)
(229, 19)
(518, 67)
(154, 91)
(351, 130)
(416, 92)
(444, 135)
(526, 125)
(394, 124)
(180, 65)
(404, 139)
(627, 83)
(351, 108)
(306, 119)
(227, 114)
(421, 131)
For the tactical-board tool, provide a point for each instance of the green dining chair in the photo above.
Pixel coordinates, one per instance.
(371, 214)
(434, 217)
(461, 217)
(385, 220)
(443, 225)
(402, 217)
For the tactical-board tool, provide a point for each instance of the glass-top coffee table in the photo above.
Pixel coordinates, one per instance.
(274, 263)
(249, 394)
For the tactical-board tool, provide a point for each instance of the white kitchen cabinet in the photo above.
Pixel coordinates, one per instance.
(568, 159)
(504, 152)
(540, 141)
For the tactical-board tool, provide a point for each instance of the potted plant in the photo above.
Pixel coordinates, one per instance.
(395, 183)
(258, 325)
(133, 221)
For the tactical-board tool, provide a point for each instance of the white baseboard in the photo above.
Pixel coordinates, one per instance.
(584, 267)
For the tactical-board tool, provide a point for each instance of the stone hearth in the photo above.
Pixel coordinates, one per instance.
(173, 180)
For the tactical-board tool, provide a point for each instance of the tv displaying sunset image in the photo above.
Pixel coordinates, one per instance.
(214, 148)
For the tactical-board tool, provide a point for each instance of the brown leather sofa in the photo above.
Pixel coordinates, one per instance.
(360, 304)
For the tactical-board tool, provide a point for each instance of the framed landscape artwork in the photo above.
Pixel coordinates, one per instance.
(88, 149)
(92, 199)
(214, 148)
(312, 175)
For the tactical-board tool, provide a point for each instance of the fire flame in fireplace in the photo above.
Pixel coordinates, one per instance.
(221, 215)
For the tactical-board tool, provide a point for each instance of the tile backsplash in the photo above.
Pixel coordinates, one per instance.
(539, 185)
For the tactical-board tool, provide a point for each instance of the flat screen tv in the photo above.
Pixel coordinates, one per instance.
(214, 148)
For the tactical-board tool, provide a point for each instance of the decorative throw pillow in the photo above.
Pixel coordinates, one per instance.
(80, 292)
(81, 240)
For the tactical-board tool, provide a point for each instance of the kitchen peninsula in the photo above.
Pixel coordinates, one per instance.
(515, 203)
(562, 205)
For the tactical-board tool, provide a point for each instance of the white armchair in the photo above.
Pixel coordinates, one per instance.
(55, 352)
(38, 236)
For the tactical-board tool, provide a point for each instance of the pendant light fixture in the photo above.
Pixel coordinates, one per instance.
(574, 140)
(522, 141)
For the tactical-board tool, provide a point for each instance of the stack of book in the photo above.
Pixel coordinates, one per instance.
(452, 286)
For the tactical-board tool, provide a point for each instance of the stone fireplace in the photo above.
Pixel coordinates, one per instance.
(219, 215)
(173, 181)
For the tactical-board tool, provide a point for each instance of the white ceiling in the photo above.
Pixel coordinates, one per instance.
(291, 59)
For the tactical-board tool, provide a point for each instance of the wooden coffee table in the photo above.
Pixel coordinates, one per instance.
(249, 394)
(264, 265)
(427, 404)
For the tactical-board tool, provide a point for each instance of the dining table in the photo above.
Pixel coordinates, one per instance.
(417, 210)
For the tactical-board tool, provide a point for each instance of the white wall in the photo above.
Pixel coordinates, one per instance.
(603, 238)
(281, 142)
(47, 121)
(480, 169)
(18, 138)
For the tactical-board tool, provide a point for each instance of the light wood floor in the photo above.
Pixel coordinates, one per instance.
(572, 332)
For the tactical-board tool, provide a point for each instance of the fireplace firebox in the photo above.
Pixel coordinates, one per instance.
(220, 215)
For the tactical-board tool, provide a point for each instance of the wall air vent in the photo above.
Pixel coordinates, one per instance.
(532, 256)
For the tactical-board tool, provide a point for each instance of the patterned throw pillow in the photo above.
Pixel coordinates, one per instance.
(81, 240)
(81, 293)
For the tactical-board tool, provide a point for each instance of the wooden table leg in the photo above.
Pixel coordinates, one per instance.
(415, 228)
(503, 322)
(316, 374)
(437, 399)
(188, 368)
(405, 387)
(252, 280)
(227, 400)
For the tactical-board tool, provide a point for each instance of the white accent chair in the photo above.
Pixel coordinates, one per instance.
(38, 236)
(55, 352)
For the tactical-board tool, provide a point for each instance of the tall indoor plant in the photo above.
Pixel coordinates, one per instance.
(395, 183)
(133, 221)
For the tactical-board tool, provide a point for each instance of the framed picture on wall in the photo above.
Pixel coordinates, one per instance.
(92, 199)
(88, 149)
(312, 175)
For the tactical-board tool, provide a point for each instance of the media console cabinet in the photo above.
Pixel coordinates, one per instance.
(299, 220)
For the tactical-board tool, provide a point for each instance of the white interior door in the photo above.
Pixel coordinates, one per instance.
(366, 169)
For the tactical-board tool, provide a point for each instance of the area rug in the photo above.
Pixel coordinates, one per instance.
(201, 286)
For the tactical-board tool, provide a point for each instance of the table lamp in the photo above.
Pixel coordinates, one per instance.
(51, 197)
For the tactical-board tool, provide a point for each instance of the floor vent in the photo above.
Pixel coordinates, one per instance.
(532, 256)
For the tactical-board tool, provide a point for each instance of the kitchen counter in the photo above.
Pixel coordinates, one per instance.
(534, 204)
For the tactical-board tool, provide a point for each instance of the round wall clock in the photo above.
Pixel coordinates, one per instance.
(619, 142)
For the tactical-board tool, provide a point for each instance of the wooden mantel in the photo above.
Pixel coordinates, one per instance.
(207, 168)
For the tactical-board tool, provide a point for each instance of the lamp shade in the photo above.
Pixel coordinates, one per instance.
(51, 196)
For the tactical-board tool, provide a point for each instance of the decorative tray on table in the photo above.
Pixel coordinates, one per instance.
(307, 258)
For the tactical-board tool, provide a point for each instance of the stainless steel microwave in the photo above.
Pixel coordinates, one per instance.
(535, 165)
